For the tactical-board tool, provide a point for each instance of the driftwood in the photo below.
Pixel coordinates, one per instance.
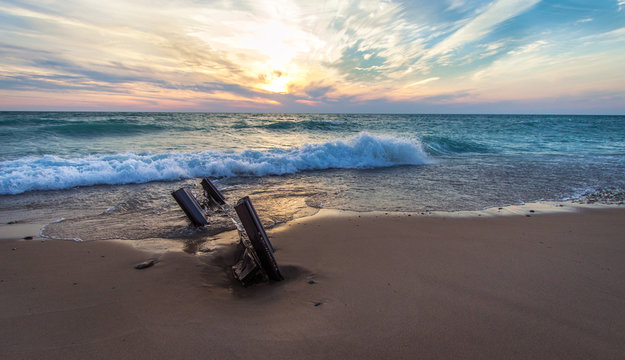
(145, 264)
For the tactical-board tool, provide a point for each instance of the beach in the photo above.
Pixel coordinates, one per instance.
(358, 285)
(439, 180)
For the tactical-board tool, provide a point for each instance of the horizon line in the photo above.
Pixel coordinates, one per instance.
(311, 112)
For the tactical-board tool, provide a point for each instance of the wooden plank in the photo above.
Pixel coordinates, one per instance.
(258, 237)
(258, 224)
(212, 192)
(190, 206)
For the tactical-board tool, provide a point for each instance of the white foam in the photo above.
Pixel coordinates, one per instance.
(52, 172)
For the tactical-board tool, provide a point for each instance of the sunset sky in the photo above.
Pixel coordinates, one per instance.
(448, 56)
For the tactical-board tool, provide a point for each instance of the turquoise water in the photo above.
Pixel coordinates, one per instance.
(292, 164)
(72, 135)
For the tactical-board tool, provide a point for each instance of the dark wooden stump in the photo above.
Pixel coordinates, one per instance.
(258, 237)
(190, 206)
(212, 192)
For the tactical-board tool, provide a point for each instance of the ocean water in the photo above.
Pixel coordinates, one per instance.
(96, 176)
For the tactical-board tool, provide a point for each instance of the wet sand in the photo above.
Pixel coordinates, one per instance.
(366, 286)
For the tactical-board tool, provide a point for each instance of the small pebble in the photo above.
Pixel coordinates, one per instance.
(145, 264)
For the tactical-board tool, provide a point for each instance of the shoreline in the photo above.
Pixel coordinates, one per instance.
(20, 229)
(357, 286)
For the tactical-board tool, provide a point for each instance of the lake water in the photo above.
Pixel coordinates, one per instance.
(97, 176)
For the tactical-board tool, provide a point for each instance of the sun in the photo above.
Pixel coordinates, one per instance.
(275, 82)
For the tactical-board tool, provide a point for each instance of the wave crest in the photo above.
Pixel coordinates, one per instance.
(51, 172)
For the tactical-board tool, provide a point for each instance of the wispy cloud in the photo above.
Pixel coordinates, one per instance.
(424, 81)
(585, 20)
(538, 70)
(456, 4)
(609, 37)
(494, 14)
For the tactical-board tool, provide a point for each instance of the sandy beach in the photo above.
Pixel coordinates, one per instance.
(368, 286)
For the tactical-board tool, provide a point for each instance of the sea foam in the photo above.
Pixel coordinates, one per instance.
(51, 172)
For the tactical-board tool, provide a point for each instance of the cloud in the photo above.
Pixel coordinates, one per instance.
(455, 4)
(316, 90)
(449, 97)
(424, 81)
(529, 48)
(480, 26)
(542, 70)
(610, 37)
(585, 20)
(309, 102)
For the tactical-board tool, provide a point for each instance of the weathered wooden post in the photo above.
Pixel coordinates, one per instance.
(190, 206)
(212, 192)
(258, 238)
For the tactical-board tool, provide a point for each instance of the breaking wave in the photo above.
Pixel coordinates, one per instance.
(51, 172)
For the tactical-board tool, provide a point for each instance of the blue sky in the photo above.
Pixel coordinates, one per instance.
(455, 56)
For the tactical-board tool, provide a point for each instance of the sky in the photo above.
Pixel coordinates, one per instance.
(422, 56)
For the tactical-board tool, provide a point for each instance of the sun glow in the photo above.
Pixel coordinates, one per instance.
(275, 82)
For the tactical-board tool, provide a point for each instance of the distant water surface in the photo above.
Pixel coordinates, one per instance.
(109, 175)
